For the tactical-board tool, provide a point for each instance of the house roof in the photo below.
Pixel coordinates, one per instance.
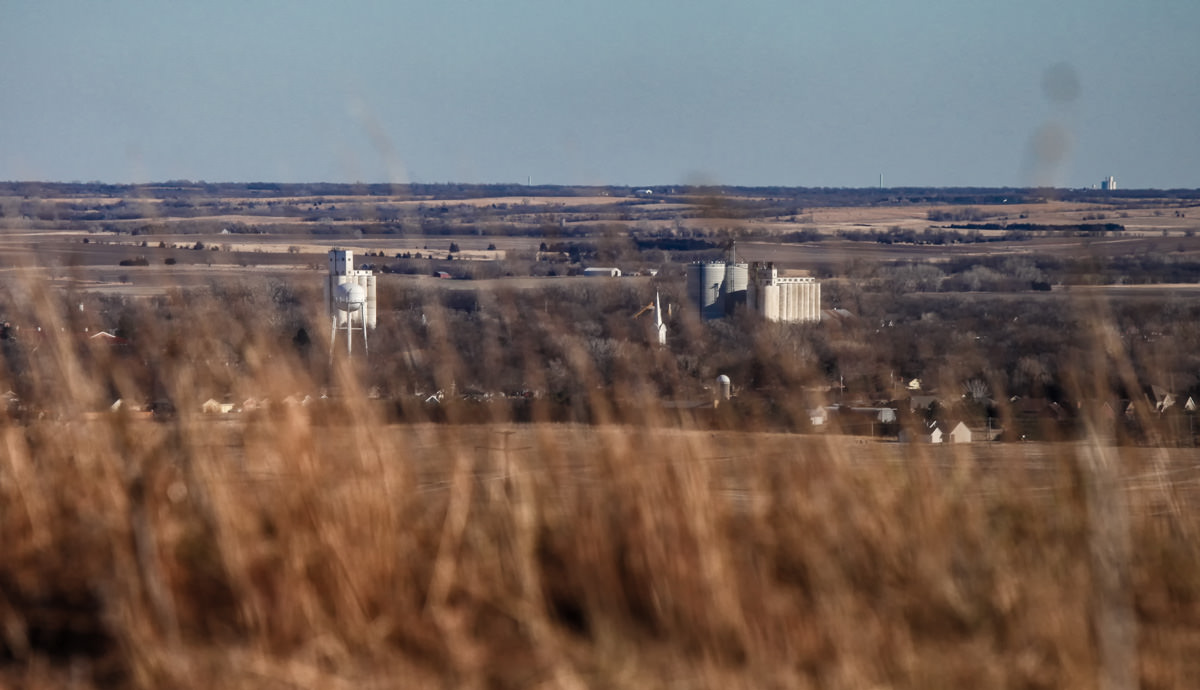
(106, 337)
(1160, 394)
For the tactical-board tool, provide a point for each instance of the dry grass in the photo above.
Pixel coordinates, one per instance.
(329, 549)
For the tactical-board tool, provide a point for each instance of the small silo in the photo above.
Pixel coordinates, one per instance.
(706, 287)
(724, 387)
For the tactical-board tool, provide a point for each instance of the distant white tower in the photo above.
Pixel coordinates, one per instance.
(1108, 183)
(660, 326)
(349, 298)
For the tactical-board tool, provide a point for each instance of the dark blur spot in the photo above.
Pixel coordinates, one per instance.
(1051, 144)
(1050, 147)
(1060, 83)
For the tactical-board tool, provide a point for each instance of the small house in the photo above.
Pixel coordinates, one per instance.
(926, 433)
(960, 433)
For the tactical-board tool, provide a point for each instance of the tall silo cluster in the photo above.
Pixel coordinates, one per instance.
(716, 287)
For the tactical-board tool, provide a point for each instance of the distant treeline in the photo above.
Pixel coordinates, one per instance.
(1074, 228)
(785, 198)
(1028, 272)
(675, 244)
(898, 235)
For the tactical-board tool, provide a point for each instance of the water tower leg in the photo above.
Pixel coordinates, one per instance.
(349, 333)
(332, 337)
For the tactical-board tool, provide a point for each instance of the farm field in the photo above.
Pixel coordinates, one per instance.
(544, 449)
(85, 253)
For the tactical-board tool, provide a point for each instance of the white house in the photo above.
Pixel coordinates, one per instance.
(935, 433)
(960, 433)
(212, 406)
(927, 433)
(817, 416)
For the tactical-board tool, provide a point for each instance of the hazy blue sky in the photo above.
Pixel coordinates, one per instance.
(789, 92)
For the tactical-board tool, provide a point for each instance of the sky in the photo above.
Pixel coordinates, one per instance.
(815, 93)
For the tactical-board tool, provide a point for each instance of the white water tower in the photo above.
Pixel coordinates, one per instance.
(349, 298)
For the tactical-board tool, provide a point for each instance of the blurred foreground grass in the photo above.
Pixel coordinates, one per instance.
(282, 553)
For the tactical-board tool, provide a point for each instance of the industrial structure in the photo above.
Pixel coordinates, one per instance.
(718, 288)
(1109, 183)
(790, 299)
(350, 298)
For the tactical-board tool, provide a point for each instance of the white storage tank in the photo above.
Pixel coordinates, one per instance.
(724, 387)
(350, 296)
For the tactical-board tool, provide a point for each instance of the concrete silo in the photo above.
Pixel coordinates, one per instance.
(724, 387)
(706, 287)
(793, 299)
(737, 283)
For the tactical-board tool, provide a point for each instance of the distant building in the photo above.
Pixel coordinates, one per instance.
(960, 434)
(106, 338)
(710, 285)
(718, 288)
(212, 406)
(602, 272)
(818, 416)
(791, 299)
(926, 433)
(660, 326)
(724, 387)
(1109, 183)
(350, 298)
(341, 271)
